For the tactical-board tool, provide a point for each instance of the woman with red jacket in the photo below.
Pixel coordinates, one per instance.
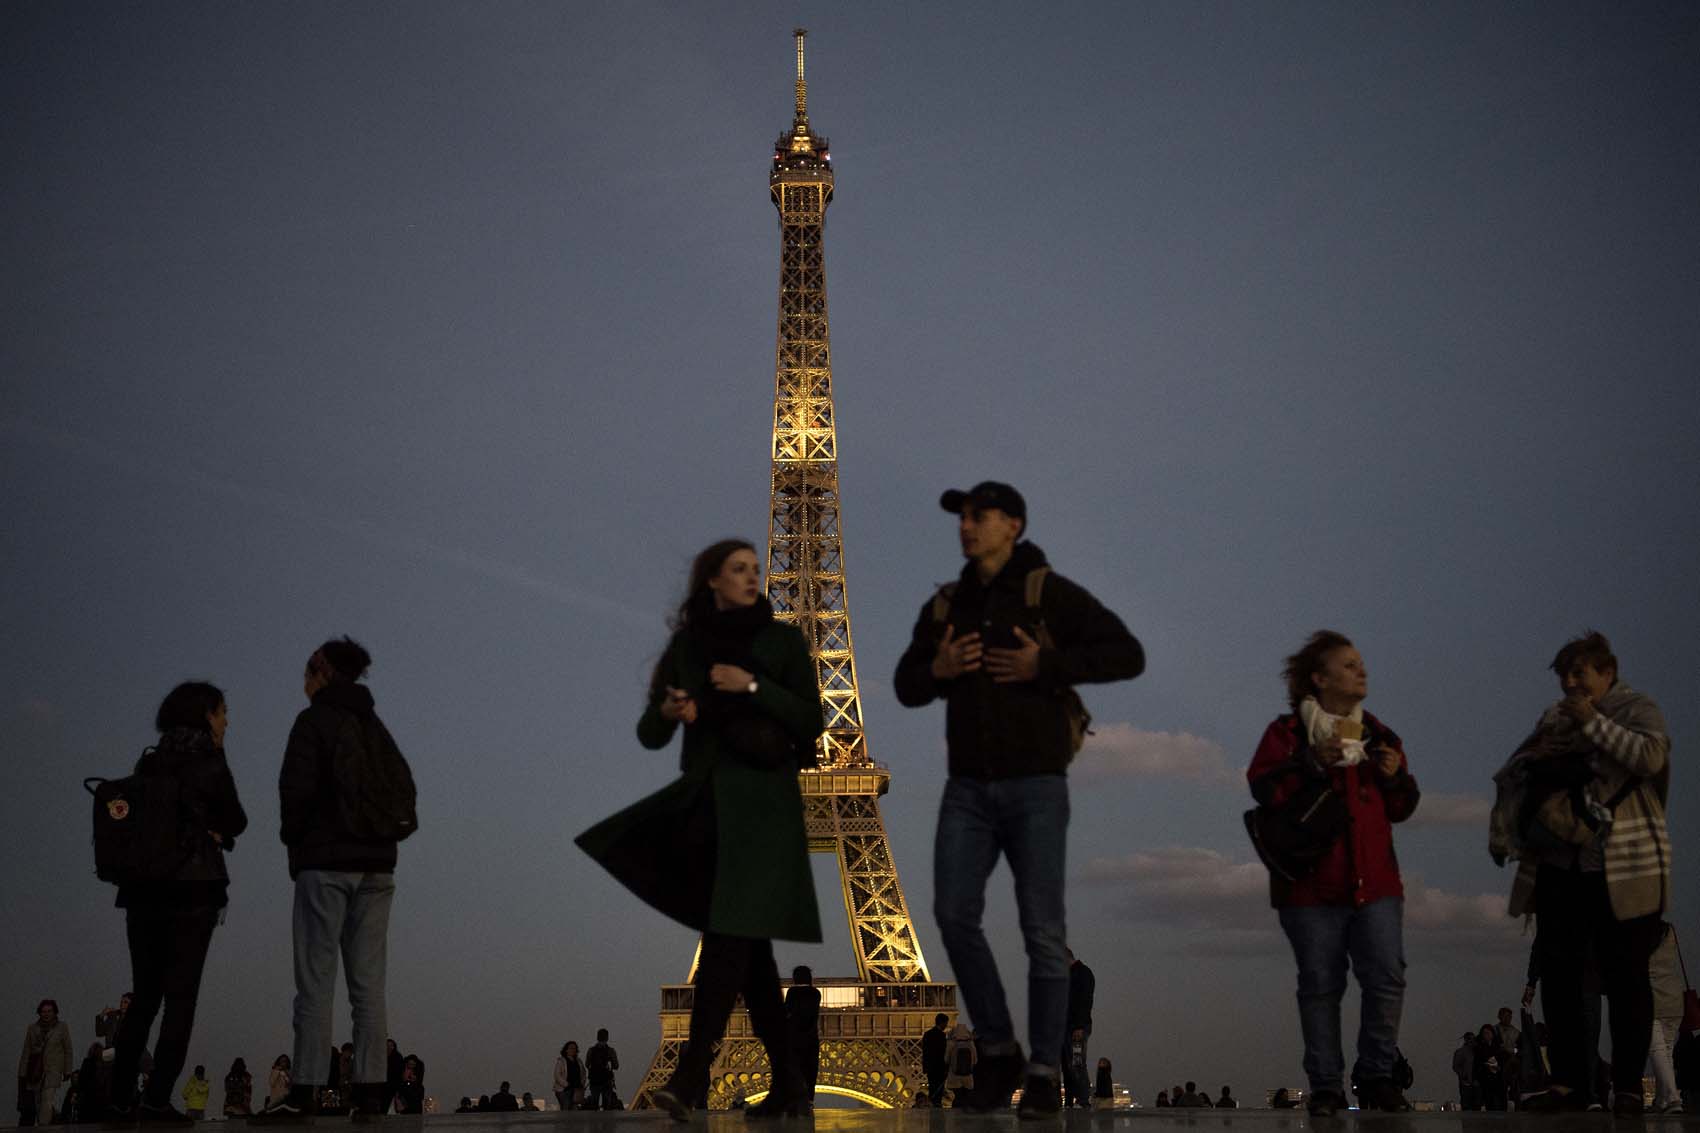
(1350, 906)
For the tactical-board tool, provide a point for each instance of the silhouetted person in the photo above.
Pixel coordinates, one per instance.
(802, 1024)
(342, 854)
(744, 688)
(169, 924)
(1594, 861)
(600, 1062)
(1226, 1101)
(502, 1101)
(1004, 645)
(933, 1063)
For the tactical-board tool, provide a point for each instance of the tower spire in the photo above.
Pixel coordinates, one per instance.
(802, 84)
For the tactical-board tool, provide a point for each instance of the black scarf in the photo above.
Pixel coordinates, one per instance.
(726, 637)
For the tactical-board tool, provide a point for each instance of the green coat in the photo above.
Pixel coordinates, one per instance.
(722, 847)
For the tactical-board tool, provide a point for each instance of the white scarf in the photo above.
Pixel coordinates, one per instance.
(1322, 725)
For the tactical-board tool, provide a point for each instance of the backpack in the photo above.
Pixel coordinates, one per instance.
(375, 796)
(141, 831)
(1079, 719)
(963, 1065)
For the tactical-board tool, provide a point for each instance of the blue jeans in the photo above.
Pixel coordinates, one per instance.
(1323, 938)
(1026, 820)
(347, 913)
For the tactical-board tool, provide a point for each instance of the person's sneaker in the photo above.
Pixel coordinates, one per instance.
(296, 1105)
(1553, 1101)
(163, 1114)
(1325, 1103)
(1626, 1104)
(673, 1101)
(1382, 1094)
(1039, 1097)
(995, 1079)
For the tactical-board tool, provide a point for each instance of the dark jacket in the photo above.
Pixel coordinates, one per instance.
(307, 785)
(996, 731)
(802, 1011)
(1360, 866)
(207, 792)
(932, 1052)
(1082, 984)
(722, 848)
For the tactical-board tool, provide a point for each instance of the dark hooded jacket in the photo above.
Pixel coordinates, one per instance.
(208, 795)
(997, 731)
(307, 785)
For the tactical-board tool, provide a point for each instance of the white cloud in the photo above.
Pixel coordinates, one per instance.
(1452, 810)
(1123, 750)
(1224, 904)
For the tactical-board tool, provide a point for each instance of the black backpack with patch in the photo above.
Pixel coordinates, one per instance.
(142, 833)
(375, 795)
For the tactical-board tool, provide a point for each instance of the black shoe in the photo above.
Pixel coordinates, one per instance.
(1382, 1094)
(1325, 1103)
(1039, 1098)
(1628, 1105)
(162, 1114)
(1553, 1101)
(297, 1105)
(995, 1079)
(674, 1101)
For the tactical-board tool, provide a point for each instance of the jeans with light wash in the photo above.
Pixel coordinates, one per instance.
(347, 913)
(1026, 820)
(1372, 937)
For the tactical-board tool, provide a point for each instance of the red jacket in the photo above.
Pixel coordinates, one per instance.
(1361, 866)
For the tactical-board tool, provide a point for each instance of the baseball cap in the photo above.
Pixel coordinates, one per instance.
(986, 494)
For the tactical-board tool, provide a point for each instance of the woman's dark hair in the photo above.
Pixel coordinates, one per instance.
(1591, 649)
(705, 566)
(237, 1069)
(53, 1003)
(344, 659)
(1308, 661)
(280, 1060)
(188, 706)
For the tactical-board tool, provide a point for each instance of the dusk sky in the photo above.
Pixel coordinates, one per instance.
(451, 326)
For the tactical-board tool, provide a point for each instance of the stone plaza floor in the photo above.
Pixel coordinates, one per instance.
(946, 1121)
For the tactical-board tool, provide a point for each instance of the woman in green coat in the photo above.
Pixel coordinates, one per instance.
(722, 847)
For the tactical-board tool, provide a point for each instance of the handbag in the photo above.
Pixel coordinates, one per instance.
(1690, 997)
(760, 741)
(1292, 836)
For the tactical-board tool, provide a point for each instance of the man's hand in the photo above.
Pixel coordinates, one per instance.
(730, 678)
(1578, 708)
(679, 706)
(1018, 664)
(1386, 761)
(956, 655)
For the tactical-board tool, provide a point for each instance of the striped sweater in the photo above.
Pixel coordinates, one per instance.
(1628, 733)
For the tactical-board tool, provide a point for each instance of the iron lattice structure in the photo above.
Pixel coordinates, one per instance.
(871, 1025)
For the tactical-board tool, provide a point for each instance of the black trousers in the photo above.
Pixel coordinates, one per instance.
(731, 966)
(168, 949)
(1585, 951)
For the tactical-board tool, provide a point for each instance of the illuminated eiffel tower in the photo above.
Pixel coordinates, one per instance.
(871, 1025)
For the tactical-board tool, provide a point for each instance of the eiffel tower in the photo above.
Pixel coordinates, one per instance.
(871, 1025)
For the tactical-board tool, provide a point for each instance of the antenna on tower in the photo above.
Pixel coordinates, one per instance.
(802, 86)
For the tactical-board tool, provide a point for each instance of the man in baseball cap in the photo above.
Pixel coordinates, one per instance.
(1003, 645)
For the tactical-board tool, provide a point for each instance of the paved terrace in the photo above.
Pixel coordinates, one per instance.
(946, 1121)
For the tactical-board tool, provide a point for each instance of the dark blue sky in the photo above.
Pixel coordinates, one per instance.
(451, 326)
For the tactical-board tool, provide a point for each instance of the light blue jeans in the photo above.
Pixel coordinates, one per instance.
(1324, 937)
(1026, 820)
(347, 913)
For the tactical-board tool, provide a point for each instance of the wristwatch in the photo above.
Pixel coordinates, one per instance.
(752, 688)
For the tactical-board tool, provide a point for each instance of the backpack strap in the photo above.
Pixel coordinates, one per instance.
(1034, 588)
(942, 598)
